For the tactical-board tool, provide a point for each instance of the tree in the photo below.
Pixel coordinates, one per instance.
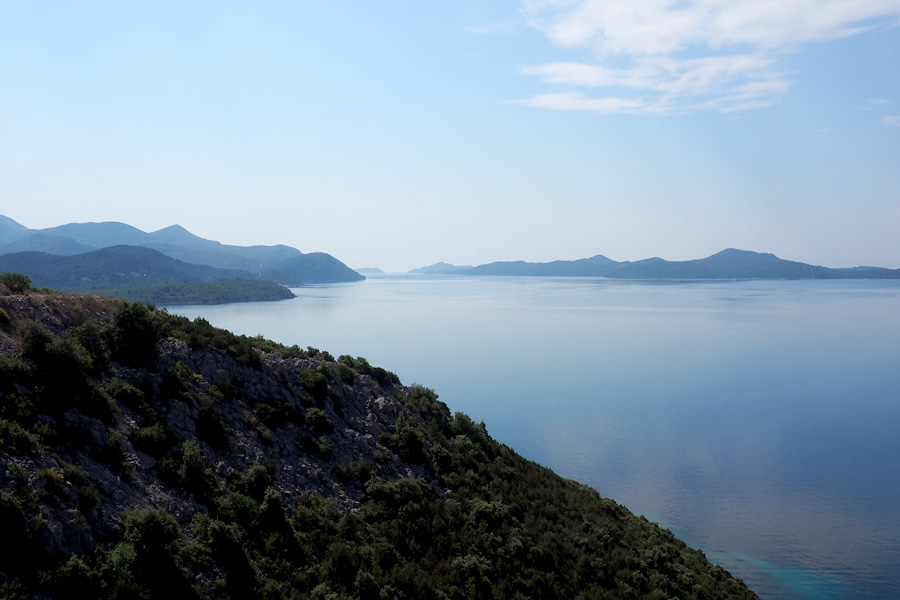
(17, 283)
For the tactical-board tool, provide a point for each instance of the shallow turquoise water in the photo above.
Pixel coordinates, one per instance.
(759, 421)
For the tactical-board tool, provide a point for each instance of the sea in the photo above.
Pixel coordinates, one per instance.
(757, 420)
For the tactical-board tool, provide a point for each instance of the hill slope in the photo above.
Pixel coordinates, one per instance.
(144, 455)
(135, 273)
(178, 243)
(727, 264)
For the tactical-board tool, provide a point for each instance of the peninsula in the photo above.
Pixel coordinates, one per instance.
(169, 266)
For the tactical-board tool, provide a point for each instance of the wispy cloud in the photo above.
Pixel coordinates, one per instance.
(666, 56)
(892, 120)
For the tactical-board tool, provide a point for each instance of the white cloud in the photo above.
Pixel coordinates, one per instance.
(892, 120)
(715, 54)
(575, 101)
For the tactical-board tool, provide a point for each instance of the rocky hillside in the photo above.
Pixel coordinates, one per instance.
(146, 456)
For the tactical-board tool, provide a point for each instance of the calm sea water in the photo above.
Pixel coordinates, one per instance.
(760, 421)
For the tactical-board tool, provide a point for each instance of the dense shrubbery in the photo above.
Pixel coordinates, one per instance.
(15, 283)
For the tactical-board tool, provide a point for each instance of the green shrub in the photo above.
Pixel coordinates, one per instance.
(134, 332)
(407, 440)
(16, 439)
(195, 470)
(318, 421)
(75, 576)
(326, 448)
(132, 397)
(53, 483)
(256, 479)
(178, 380)
(349, 471)
(89, 336)
(278, 413)
(16, 283)
(153, 439)
(13, 373)
(316, 384)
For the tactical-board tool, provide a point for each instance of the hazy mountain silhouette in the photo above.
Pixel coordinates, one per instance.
(727, 264)
(279, 263)
(110, 268)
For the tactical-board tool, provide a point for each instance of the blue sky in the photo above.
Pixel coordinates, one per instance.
(397, 134)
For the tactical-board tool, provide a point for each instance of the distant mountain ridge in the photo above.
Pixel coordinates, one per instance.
(727, 264)
(440, 268)
(282, 264)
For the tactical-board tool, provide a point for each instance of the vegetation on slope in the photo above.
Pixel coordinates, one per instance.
(144, 455)
(144, 275)
(175, 242)
(204, 292)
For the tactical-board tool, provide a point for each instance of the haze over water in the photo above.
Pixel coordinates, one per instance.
(758, 420)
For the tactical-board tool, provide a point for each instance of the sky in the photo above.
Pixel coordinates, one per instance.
(396, 134)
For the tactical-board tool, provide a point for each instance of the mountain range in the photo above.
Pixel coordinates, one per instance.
(727, 264)
(94, 256)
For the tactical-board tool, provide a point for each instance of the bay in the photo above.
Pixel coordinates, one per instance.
(759, 420)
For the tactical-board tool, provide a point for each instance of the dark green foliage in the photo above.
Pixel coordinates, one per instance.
(13, 373)
(326, 448)
(360, 471)
(90, 337)
(196, 471)
(224, 391)
(156, 537)
(424, 401)
(15, 439)
(135, 330)
(52, 484)
(318, 421)
(407, 440)
(316, 384)
(199, 333)
(278, 413)
(203, 292)
(16, 283)
(132, 397)
(255, 480)
(58, 381)
(361, 365)
(177, 380)
(75, 579)
(210, 428)
(61, 356)
(153, 439)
